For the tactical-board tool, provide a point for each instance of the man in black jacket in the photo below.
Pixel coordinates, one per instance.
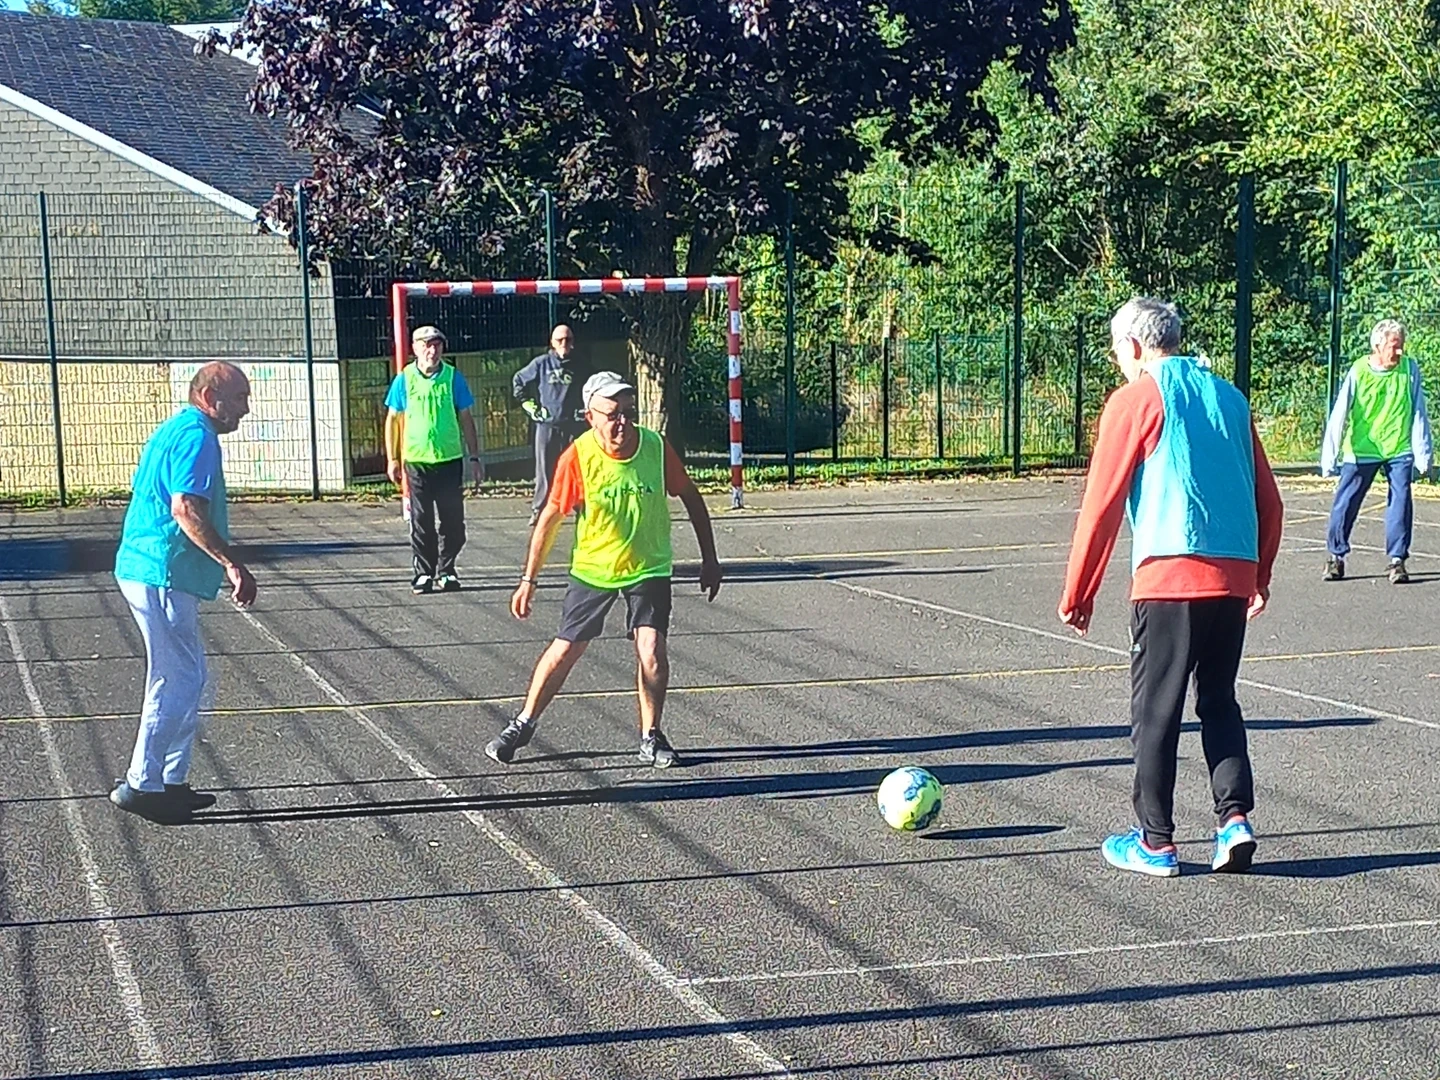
(548, 389)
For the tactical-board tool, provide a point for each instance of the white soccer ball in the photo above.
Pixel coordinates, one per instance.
(910, 799)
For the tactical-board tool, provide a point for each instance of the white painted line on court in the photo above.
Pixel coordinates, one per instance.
(1118, 949)
(1075, 639)
(132, 1001)
(612, 932)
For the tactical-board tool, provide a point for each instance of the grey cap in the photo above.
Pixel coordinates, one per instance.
(606, 384)
(428, 333)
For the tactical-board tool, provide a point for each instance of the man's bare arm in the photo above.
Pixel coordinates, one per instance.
(192, 514)
(704, 536)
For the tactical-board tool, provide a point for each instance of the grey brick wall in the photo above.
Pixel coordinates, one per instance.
(141, 268)
(147, 276)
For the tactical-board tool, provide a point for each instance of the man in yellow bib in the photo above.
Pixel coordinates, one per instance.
(617, 477)
(428, 408)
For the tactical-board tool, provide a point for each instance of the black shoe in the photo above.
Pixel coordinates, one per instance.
(1398, 574)
(656, 750)
(422, 584)
(161, 807)
(447, 583)
(502, 748)
(188, 796)
(1334, 568)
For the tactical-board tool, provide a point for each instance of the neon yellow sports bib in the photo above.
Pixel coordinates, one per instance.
(622, 535)
(432, 427)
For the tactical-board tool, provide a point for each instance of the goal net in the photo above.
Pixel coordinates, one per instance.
(402, 291)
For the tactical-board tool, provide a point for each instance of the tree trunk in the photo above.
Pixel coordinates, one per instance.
(659, 340)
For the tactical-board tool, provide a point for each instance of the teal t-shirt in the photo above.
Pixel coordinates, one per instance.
(181, 458)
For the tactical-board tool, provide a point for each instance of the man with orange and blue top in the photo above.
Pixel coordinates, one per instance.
(617, 477)
(1178, 451)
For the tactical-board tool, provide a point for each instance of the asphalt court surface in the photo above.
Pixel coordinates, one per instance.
(372, 897)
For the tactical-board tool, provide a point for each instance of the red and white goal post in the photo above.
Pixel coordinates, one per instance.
(401, 291)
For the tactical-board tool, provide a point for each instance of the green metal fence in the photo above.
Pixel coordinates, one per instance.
(951, 328)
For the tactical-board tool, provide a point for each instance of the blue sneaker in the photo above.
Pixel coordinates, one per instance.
(1234, 847)
(1126, 851)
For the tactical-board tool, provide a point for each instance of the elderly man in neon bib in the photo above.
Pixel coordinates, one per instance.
(617, 477)
(1379, 424)
(1178, 449)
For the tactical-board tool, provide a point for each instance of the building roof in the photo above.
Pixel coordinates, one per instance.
(142, 85)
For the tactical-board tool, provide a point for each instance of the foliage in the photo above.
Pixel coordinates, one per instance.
(665, 129)
(172, 12)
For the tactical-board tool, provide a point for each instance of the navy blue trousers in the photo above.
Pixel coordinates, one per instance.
(1355, 481)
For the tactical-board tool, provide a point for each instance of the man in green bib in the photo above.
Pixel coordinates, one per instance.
(1379, 421)
(429, 408)
(617, 477)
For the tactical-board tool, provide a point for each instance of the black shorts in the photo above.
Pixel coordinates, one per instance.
(647, 603)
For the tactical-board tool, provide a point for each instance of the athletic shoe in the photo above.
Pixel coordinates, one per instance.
(1234, 846)
(447, 583)
(161, 807)
(422, 584)
(534, 517)
(1398, 574)
(656, 750)
(1334, 568)
(515, 735)
(1128, 851)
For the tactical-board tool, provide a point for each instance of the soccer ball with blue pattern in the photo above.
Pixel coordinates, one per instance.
(910, 799)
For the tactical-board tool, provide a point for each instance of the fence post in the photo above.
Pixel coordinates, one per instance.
(1337, 283)
(1244, 283)
(939, 402)
(551, 270)
(834, 404)
(1079, 385)
(302, 239)
(885, 399)
(51, 347)
(1005, 397)
(790, 402)
(1019, 317)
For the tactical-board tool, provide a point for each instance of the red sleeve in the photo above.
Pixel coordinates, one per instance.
(1269, 509)
(1130, 427)
(677, 480)
(567, 490)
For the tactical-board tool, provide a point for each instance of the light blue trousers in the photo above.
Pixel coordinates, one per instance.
(169, 622)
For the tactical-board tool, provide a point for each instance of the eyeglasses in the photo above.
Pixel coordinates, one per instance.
(630, 415)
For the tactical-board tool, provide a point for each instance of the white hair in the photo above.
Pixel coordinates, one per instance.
(1153, 323)
(1386, 328)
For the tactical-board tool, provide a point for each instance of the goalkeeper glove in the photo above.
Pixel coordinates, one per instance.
(536, 412)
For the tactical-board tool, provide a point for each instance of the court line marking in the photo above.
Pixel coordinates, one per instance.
(736, 688)
(514, 568)
(1075, 639)
(1118, 949)
(609, 930)
(122, 970)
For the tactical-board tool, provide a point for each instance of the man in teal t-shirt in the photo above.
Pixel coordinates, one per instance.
(174, 552)
(1379, 421)
(429, 410)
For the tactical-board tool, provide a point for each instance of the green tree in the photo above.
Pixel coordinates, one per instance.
(161, 11)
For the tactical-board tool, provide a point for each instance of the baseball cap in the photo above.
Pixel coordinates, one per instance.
(606, 384)
(427, 333)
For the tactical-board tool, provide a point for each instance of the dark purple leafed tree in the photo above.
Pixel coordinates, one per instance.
(664, 128)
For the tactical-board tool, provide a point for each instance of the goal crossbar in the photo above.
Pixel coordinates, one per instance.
(401, 292)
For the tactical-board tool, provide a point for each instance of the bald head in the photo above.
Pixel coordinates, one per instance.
(222, 392)
(562, 341)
